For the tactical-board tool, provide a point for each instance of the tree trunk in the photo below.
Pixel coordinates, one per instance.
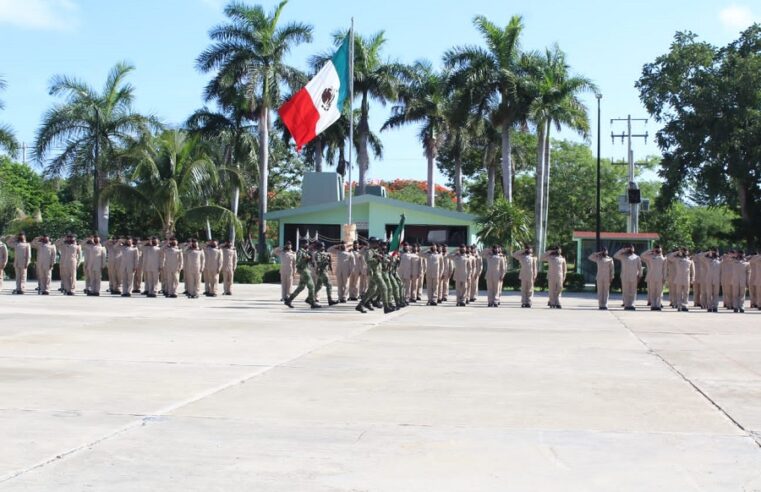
(363, 158)
(546, 186)
(745, 210)
(234, 208)
(490, 185)
(431, 198)
(458, 182)
(507, 165)
(264, 146)
(539, 200)
(318, 155)
(103, 206)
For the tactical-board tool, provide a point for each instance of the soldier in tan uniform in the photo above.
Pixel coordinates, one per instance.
(755, 280)
(711, 279)
(697, 290)
(555, 275)
(21, 260)
(656, 277)
(128, 266)
(527, 275)
(496, 267)
(212, 267)
(46, 253)
(95, 261)
(462, 271)
(434, 264)
(173, 264)
(605, 273)
(445, 273)
(726, 278)
(740, 280)
(229, 265)
(344, 266)
(684, 275)
(670, 275)
(193, 265)
(478, 268)
(287, 269)
(3, 260)
(71, 255)
(405, 271)
(151, 259)
(114, 255)
(421, 265)
(631, 272)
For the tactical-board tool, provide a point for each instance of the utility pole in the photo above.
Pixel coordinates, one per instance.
(633, 194)
(23, 152)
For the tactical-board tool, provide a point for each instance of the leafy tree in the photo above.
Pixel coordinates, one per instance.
(7, 139)
(92, 127)
(505, 224)
(423, 101)
(248, 53)
(707, 100)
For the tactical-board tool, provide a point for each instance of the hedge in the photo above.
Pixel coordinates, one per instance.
(257, 274)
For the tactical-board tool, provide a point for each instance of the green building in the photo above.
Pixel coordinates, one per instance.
(324, 210)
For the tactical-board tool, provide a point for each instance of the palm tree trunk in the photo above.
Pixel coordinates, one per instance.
(363, 158)
(103, 207)
(490, 185)
(264, 144)
(431, 185)
(458, 182)
(234, 209)
(539, 201)
(318, 155)
(507, 165)
(546, 186)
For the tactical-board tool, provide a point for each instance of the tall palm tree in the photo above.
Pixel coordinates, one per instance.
(423, 100)
(557, 104)
(461, 127)
(495, 76)
(7, 139)
(248, 53)
(175, 178)
(91, 127)
(230, 128)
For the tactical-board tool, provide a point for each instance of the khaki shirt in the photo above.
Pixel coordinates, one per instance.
(684, 271)
(151, 258)
(557, 267)
(173, 260)
(631, 266)
(605, 267)
(496, 266)
(212, 259)
(129, 259)
(656, 266)
(229, 259)
(528, 266)
(463, 267)
(194, 260)
(434, 264)
(45, 254)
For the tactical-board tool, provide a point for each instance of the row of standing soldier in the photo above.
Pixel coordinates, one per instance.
(133, 266)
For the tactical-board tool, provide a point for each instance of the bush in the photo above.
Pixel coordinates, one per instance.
(541, 281)
(574, 282)
(512, 280)
(257, 274)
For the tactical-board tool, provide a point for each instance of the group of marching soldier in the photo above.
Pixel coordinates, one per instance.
(149, 267)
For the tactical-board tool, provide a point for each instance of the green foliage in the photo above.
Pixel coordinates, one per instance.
(257, 274)
(574, 282)
(504, 224)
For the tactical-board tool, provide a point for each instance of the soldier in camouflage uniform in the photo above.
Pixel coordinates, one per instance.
(376, 286)
(303, 261)
(323, 263)
(396, 280)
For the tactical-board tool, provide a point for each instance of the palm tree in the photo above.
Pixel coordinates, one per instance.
(461, 131)
(505, 224)
(557, 103)
(7, 139)
(248, 54)
(92, 128)
(231, 129)
(423, 100)
(495, 78)
(175, 178)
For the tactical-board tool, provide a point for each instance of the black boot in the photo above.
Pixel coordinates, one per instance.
(360, 309)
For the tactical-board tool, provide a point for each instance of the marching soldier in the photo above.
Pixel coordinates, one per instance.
(212, 267)
(740, 279)
(527, 275)
(631, 272)
(21, 260)
(556, 274)
(152, 264)
(344, 267)
(128, 265)
(193, 265)
(684, 275)
(358, 280)
(3, 260)
(173, 264)
(46, 253)
(114, 255)
(605, 273)
(656, 276)
(95, 261)
(434, 265)
(287, 269)
(496, 267)
(303, 261)
(323, 263)
(711, 279)
(229, 265)
(463, 269)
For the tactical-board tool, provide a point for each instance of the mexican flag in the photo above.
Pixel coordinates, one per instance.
(318, 105)
(398, 237)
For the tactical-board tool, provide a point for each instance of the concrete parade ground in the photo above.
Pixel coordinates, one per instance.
(242, 394)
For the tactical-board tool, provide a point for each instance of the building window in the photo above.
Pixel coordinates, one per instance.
(432, 234)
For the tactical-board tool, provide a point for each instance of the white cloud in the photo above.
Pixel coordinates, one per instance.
(737, 17)
(39, 14)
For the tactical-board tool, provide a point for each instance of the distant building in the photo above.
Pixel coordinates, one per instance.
(586, 244)
(324, 210)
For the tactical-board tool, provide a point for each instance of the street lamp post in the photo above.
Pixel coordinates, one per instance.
(597, 230)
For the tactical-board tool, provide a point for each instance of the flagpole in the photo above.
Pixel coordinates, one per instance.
(351, 111)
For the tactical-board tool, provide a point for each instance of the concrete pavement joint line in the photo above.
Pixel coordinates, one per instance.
(120, 361)
(171, 408)
(695, 387)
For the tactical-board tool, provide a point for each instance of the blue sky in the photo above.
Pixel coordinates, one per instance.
(605, 41)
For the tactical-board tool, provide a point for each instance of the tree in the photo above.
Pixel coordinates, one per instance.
(707, 100)
(174, 177)
(505, 224)
(248, 53)
(7, 139)
(557, 103)
(423, 101)
(91, 127)
(496, 79)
